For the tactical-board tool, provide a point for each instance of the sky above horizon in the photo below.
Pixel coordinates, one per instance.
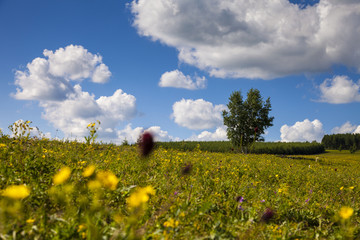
(170, 66)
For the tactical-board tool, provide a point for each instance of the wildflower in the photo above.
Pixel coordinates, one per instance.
(93, 185)
(16, 192)
(140, 196)
(62, 175)
(171, 223)
(256, 129)
(351, 188)
(267, 215)
(346, 212)
(239, 199)
(89, 170)
(30, 221)
(187, 169)
(146, 144)
(341, 188)
(2, 145)
(81, 227)
(107, 179)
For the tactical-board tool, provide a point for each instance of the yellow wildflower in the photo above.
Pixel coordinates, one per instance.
(107, 179)
(89, 170)
(62, 175)
(351, 188)
(93, 185)
(2, 145)
(16, 192)
(171, 223)
(346, 212)
(81, 227)
(140, 196)
(30, 220)
(341, 188)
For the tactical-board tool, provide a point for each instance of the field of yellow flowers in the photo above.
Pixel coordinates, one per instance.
(71, 190)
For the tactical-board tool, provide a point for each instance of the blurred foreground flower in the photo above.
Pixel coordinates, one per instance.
(62, 175)
(267, 215)
(186, 170)
(140, 196)
(146, 143)
(16, 192)
(346, 212)
(89, 170)
(107, 179)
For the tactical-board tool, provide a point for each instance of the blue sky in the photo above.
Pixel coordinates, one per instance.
(170, 66)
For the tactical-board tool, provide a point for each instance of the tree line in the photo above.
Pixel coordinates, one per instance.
(346, 141)
(278, 148)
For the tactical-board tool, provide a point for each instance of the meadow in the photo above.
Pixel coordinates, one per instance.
(71, 190)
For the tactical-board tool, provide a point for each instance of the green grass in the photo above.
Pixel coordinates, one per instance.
(198, 195)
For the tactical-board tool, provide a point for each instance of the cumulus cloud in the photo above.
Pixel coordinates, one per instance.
(177, 79)
(254, 39)
(218, 135)
(50, 79)
(132, 134)
(79, 109)
(346, 128)
(357, 130)
(302, 131)
(197, 114)
(340, 89)
(67, 106)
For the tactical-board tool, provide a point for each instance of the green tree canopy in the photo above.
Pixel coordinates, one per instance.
(247, 120)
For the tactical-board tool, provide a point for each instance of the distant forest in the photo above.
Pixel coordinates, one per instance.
(347, 141)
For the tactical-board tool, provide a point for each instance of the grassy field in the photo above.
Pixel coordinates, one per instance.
(70, 190)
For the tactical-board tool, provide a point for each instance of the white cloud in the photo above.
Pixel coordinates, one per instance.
(76, 63)
(302, 131)
(79, 109)
(346, 128)
(68, 107)
(218, 135)
(340, 89)
(49, 79)
(177, 79)
(197, 114)
(132, 134)
(37, 84)
(254, 39)
(357, 130)
(129, 134)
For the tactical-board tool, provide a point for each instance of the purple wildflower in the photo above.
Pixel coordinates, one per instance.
(239, 199)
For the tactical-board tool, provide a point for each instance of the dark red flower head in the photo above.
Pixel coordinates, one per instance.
(256, 129)
(186, 170)
(267, 215)
(146, 144)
